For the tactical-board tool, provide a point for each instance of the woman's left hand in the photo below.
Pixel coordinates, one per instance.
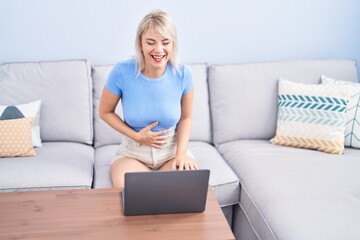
(184, 163)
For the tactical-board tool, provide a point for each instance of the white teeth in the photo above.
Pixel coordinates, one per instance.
(157, 57)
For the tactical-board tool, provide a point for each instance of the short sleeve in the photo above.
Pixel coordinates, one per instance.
(113, 83)
(188, 80)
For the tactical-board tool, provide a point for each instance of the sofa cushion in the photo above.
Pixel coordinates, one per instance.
(312, 116)
(201, 124)
(282, 186)
(103, 133)
(65, 91)
(223, 180)
(250, 112)
(58, 165)
(201, 130)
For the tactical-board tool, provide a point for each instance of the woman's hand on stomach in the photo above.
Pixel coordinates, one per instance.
(153, 139)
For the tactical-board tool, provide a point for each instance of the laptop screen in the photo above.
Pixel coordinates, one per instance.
(161, 192)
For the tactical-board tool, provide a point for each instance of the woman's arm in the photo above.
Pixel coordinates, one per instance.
(183, 134)
(108, 103)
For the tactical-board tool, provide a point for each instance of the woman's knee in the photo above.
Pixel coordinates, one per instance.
(118, 183)
(116, 175)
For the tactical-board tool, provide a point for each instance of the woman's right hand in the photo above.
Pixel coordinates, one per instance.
(153, 139)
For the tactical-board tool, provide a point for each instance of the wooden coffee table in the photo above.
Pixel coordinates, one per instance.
(97, 214)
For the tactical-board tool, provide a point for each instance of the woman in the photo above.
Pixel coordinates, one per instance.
(156, 96)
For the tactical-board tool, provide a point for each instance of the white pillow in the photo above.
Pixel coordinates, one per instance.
(352, 130)
(28, 110)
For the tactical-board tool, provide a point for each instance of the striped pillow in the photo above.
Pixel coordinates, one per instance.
(312, 116)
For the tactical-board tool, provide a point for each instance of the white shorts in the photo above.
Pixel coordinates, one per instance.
(152, 157)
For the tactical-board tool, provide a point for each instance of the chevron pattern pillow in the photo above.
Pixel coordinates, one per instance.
(312, 116)
(352, 129)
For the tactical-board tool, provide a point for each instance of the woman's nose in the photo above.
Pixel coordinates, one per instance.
(158, 47)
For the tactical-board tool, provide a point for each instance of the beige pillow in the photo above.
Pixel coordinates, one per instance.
(30, 110)
(15, 138)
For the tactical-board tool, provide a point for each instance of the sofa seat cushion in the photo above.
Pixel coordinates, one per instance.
(223, 180)
(58, 165)
(290, 193)
(103, 156)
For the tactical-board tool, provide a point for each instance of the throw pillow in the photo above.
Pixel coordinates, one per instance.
(29, 110)
(352, 129)
(15, 138)
(311, 116)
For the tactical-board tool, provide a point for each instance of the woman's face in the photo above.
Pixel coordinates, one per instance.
(157, 51)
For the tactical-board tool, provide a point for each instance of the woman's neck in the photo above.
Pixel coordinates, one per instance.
(153, 73)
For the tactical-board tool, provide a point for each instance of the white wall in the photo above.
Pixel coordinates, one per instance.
(216, 32)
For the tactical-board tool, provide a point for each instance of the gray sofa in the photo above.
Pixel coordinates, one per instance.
(266, 191)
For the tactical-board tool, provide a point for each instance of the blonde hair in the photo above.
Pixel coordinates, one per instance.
(162, 23)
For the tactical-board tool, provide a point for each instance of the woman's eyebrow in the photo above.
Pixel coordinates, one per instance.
(150, 39)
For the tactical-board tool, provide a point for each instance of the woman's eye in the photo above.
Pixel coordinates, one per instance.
(166, 43)
(150, 43)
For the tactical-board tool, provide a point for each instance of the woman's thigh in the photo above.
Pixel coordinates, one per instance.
(122, 166)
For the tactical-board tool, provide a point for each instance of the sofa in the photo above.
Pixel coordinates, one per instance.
(266, 191)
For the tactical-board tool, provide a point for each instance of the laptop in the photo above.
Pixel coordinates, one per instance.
(163, 192)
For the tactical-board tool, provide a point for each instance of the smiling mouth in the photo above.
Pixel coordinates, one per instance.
(158, 58)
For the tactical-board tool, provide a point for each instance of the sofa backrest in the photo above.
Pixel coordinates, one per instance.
(65, 89)
(201, 125)
(244, 97)
(201, 129)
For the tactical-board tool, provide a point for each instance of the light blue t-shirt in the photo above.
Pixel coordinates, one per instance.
(146, 100)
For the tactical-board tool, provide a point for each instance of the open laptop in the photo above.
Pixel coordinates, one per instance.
(160, 192)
